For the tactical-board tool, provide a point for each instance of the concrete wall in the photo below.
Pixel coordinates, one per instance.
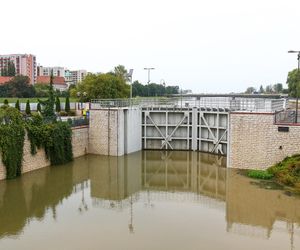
(34, 162)
(255, 142)
(115, 131)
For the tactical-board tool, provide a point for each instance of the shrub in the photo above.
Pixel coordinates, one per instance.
(17, 105)
(260, 174)
(27, 109)
(57, 104)
(63, 113)
(72, 113)
(67, 105)
(5, 102)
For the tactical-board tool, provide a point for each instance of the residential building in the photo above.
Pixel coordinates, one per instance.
(25, 64)
(59, 82)
(78, 75)
(46, 71)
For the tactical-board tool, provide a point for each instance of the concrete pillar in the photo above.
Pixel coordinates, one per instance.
(194, 128)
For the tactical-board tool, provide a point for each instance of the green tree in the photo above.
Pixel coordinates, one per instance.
(27, 109)
(39, 108)
(250, 90)
(67, 105)
(293, 81)
(17, 105)
(102, 86)
(57, 104)
(48, 111)
(261, 89)
(121, 71)
(5, 102)
(269, 89)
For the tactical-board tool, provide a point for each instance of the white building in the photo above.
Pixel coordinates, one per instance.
(78, 75)
(46, 71)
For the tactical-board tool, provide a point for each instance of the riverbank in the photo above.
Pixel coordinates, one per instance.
(286, 172)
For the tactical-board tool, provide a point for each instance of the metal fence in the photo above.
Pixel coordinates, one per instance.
(287, 117)
(227, 103)
(78, 121)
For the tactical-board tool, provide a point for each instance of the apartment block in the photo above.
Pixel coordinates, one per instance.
(25, 64)
(46, 71)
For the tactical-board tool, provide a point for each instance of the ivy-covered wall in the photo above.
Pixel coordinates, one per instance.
(39, 160)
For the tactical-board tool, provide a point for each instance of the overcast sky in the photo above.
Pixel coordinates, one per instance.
(212, 46)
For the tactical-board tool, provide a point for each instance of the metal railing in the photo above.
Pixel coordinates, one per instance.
(227, 103)
(78, 122)
(287, 117)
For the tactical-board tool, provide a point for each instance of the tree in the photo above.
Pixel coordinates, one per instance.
(67, 105)
(261, 89)
(57, 104)
(278, 87)
(269, 89)
(18, 86)
(17, 105)
(250, 90)
(39, 108)
(121, 71)
(5, 102)
(293, 81)
(102, 86)
(27, 109)
(48, 111)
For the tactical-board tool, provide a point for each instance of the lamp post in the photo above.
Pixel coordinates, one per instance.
(297, 83)
(129, 76)
(149, 69)
(80, 96)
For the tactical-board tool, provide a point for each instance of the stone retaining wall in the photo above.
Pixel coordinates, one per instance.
(255, 142)
(33, 162)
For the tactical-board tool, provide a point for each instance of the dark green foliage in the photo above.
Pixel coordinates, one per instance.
(11, 140)
(48, 111)
(57, 104)
(260, 174)
(55, 138)
(293, 81)
(17, 105)
(39, 108)
(67, 105)
(5, 102)
(153, 89)
(27, 109)
(287, 172)
(18, 86)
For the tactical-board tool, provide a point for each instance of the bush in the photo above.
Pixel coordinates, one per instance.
(17, 105)
(63, 113)
(72, 113)
(260, 174)
(67, 105)
(57, 104)
(27, 109)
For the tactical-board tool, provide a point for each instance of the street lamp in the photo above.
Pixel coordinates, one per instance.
(80, 96)
(129, 76)
(297, 94)
(149, 69)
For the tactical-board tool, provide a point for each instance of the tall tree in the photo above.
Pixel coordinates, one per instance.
(27, 109)
(261, 89)
(48, 111)
(67, 105)
(121, 71)
(293, 81)
(17, 105)
(57, 104)
(250, 90)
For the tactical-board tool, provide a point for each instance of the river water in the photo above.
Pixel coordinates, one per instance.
(146, 200)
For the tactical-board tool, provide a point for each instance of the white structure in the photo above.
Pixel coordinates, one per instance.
(46, 71)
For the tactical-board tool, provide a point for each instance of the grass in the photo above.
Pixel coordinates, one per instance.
(32, 100)
(260, 174)
(286, 172)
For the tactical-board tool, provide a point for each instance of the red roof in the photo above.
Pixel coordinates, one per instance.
(5, 79)
(57, 80)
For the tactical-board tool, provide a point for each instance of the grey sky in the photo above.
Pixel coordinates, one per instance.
(208, 46)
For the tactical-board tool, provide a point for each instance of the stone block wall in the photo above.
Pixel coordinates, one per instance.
(255, 142)
(34, 162)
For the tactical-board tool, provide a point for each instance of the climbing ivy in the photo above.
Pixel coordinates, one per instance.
(55, 138)
(11, 140)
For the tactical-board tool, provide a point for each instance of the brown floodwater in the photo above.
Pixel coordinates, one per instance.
(146, 200)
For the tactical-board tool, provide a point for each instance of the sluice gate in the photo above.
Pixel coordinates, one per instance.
(198, 123)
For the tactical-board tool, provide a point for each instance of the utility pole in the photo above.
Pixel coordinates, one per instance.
(149, 69)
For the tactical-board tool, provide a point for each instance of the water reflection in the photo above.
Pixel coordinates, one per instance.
(119, 183)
